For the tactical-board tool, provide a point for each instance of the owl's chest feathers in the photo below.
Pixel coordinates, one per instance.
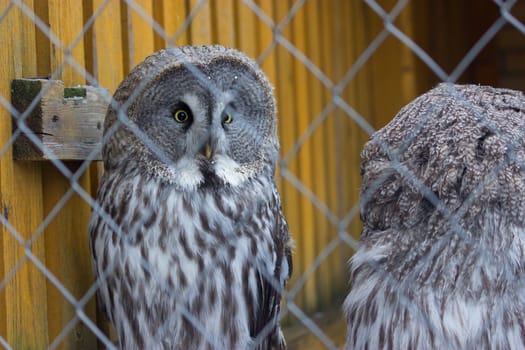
(204, 252)
(194, 229)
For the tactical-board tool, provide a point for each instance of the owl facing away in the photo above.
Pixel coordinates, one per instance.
(189, 243)
(442, 256)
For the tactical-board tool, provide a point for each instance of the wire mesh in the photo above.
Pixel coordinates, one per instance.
(336, 106)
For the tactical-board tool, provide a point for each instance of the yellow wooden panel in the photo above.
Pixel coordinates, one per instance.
(246, 29)
(171, 15)
(361, 95)
(408, 59)
(138, 37)
(43, 44)
(303, 118)
(200, 27)
(107, 67)
(67, 249)
(23, 322)
(106, 44)
(385, 79)
(268, 64)
(324, 232)
(104, 57)
(265, 41)
(351, 132)
(68, 257)
(340, 63)
(328, 46)
(69, 15)
(287, 133)
(363, 102)
(223, 22)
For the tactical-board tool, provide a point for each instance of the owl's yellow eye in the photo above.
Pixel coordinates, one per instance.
(181, 116)
(227, 119)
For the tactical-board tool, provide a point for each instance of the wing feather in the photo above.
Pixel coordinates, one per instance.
(266, 329)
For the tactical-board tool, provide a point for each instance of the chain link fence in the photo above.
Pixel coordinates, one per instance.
(320, 257)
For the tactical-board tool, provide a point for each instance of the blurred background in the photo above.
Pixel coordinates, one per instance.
(341, 69)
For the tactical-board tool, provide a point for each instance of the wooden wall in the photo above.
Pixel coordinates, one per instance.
(331, 36)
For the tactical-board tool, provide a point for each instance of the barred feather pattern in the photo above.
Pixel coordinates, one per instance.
(442, 257)
(199, 269)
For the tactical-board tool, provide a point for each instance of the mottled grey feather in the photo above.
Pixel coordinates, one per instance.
(442, 252)
(191, 251)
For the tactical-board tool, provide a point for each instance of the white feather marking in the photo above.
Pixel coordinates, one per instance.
(463, 318)
(195, 105)
(516, 249)
(187, 173)
(285, 270)
(375, 253)
(229, 170)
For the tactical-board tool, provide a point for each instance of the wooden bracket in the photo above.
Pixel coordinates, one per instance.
(69, 121)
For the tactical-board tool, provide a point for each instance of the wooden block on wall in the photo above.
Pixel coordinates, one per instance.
(69, 121)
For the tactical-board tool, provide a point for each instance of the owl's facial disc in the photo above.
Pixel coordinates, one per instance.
(217, 127)
(205, 125)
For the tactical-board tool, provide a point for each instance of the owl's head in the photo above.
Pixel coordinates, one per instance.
(193, 115)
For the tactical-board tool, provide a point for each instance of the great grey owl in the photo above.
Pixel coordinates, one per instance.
(190, 246)
(442, 255)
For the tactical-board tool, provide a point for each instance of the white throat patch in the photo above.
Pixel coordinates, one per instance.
(229, 170)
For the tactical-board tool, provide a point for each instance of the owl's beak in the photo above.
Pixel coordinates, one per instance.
(207, 151)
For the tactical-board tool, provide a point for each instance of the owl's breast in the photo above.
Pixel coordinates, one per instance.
(200, 253)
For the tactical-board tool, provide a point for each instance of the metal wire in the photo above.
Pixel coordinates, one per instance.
(340, 223)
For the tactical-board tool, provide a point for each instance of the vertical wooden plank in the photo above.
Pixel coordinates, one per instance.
(69, 15)
(246, 29)
(328, 50)
(303, 117)
(268, 63)
(104, 58)
(104, 54)
(265, 40)
(362, 37)
(356, 95)
(343, 56)
(171, 15)
(317, 101)
(68, 258)
(485, 69)
(408, 64)
(23, 322)
(359, 99)
(42, 40)
(67, 249)
(223, 17)
(337, 60)
(421, 16)
(138, 39)
(284, 94)
(386, 72)
(267, 59)
(200, 27)
(343, 61)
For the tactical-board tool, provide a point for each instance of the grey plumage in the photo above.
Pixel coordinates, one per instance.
(191, 250)
(442, 252)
